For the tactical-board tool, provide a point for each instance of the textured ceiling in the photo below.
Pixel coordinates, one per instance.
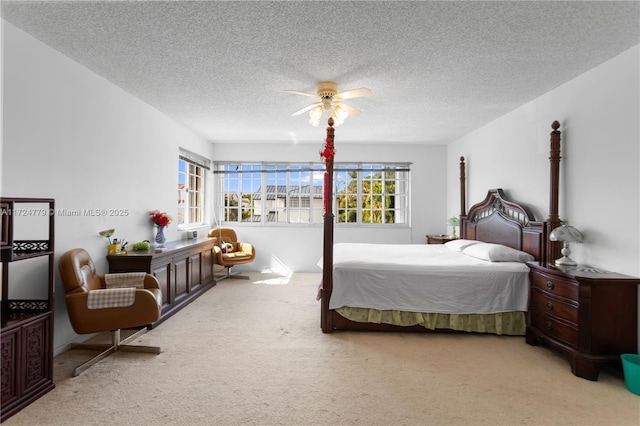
(438, 70)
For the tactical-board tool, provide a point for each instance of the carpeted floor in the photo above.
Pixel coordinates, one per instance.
(252, 352)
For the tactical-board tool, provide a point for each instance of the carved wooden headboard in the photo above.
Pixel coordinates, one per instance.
(498, 220)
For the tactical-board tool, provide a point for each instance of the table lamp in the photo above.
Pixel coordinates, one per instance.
(567, 234)
(453, 221)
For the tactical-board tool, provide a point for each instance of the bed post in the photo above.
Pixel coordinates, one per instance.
(327, 251)
(553, 221)
(463, 197)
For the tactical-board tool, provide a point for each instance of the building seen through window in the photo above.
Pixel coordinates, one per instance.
(288, 193)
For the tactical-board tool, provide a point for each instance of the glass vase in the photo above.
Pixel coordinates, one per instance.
(160, 238)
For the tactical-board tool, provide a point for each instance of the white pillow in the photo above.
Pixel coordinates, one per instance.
(459, 244)
(496, 253)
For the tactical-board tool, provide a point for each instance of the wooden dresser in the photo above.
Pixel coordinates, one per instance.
(184, 270)
(591, 316)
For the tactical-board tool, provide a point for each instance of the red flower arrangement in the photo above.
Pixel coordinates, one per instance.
(160, 218)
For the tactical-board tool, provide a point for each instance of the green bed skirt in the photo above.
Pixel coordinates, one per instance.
(510, 323)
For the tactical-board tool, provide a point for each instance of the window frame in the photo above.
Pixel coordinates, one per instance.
(401, 194)
(193, 205)
(282, 188)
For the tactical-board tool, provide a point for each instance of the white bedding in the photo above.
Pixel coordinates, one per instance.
(425, 278)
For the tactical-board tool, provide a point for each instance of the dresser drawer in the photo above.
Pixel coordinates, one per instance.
(590, 315)
(554, 328)
(542, 302)
(554, 285)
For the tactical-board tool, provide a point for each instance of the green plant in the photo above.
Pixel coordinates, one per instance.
(142, 245)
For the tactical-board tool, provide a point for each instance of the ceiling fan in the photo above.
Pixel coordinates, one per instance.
(331, 101)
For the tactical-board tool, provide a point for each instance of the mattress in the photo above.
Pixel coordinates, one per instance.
(425, 278)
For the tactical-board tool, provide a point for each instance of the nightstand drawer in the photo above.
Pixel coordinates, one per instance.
(541, 302)
(554, 328)
(554, 285)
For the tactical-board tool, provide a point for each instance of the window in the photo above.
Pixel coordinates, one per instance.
(288, 193)
(270, 192)
(191, 188)
(371, 193)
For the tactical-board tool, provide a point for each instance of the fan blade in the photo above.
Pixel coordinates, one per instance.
(297, 92)
(355, 93)
(353, 112)
(307, 108)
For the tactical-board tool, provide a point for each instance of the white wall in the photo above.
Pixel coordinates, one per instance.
(71, 135)
(599, 180)
(599, 113)
(289, 248)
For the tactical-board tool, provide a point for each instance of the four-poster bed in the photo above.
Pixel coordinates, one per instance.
(495, 225)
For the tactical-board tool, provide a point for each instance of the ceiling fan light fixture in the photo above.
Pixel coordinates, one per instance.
(339, 115)
(315, 115)
(330, 100)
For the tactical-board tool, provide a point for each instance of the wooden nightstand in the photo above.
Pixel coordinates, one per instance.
(439, 239)
(591, 316)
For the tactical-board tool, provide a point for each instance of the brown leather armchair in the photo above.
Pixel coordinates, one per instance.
(89, 312)
(235, 252)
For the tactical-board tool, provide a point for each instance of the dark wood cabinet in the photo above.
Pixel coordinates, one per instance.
(27, 324)
(184, 270)
(439, 239)
(590, 315)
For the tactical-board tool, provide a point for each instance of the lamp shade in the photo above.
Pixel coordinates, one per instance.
(339, 115)
(315, 115)
(566, 233)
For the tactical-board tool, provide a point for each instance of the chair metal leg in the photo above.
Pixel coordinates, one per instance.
(123, 346)
(79, 369)
(108, 349)
(230, 275)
